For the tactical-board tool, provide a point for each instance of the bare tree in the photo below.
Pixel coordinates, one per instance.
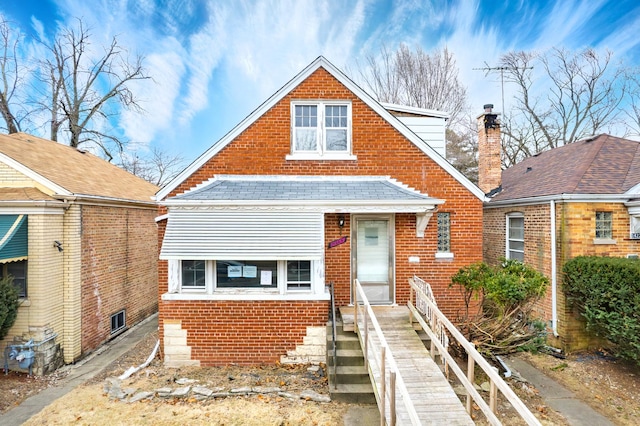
(462, 150)
(88, 89)
(158, 167)
(416, 78)
(578, 94)
(10, 76)
(633, 110)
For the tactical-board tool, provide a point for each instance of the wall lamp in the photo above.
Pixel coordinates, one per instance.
(57, 244)
(341, 221)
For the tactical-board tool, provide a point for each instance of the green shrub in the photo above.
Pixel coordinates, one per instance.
(606, 292)
(502, 288)
(506, 294)
(8, 305)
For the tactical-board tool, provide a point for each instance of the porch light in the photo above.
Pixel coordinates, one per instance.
(341, 221)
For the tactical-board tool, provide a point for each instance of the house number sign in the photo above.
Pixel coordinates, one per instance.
(337, 242)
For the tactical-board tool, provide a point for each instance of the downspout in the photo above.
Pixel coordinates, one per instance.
(554, 281)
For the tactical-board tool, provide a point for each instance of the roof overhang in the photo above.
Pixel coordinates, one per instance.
(574, 198)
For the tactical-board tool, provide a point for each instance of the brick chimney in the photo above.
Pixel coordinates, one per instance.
(489, 164)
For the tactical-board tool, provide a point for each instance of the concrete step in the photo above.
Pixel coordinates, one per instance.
(344, 341)
(354, 394)
(349, 374)
(351, 357)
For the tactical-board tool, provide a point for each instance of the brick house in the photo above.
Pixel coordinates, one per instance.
(579, 199)
(320, 184)
(79, 238)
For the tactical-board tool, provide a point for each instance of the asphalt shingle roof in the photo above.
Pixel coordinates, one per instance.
(303, 188)
(601, 165)
(80, 173)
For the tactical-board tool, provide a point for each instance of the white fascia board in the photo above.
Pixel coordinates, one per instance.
(634, 190)
(38, 207)
(54, 187)
(416, 110)
(349, 84)
(576, 198)
(394, 206)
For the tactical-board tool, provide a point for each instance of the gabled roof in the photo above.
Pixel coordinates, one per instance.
(319, 62)
(602, 165)
(67, 171)
(329, 192)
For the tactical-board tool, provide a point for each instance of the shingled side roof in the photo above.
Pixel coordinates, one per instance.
(601, 165)
(77, 172)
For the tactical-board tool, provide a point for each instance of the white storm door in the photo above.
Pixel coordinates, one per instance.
(374, 259)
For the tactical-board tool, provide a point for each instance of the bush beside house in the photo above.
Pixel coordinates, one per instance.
(606, 292)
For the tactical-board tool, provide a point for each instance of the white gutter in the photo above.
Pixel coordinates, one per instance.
(576, 198)
(554, 280)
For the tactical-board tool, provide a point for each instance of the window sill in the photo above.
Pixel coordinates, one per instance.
(24, 302)
(247, 296)
(603, 241)
(442, 255)
(316, 157)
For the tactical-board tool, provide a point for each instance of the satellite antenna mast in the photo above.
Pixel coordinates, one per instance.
(487, 69)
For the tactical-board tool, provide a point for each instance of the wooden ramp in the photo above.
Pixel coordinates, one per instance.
(430, 393)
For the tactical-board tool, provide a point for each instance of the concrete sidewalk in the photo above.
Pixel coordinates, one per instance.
(557, 397)
(81, 372)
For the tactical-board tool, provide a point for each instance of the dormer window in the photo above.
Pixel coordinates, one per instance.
(320, 130)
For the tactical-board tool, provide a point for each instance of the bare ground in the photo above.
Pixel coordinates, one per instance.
(609, 386)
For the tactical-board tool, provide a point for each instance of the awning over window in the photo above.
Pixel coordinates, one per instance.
(13, 238)
(243, 235)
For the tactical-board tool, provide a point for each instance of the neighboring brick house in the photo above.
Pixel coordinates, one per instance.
(79, 238)
(579, 199)
(320, 184)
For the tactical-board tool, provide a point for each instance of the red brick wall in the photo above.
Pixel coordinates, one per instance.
(119, 269)
(381, 151)
(244, 332)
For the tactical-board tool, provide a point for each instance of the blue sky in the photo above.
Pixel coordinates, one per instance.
(213, 62)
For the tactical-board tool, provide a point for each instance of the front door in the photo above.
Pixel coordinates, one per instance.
(374, 257)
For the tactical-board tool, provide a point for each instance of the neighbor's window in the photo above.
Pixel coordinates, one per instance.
(193, 274)
(17, 270)
(515, 237)
(118, 321)
(321, 128)
(444, 234)
(604, 225)
(298, 274)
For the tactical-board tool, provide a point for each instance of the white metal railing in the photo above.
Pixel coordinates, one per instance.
(425, 307)
(381, 364)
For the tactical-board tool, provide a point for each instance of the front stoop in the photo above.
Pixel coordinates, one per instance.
(352, 383)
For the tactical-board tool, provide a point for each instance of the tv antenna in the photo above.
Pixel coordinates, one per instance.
(488, 69)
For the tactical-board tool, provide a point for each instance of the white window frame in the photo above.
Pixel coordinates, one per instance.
(321, 152)
(280, 291)
(508, 238)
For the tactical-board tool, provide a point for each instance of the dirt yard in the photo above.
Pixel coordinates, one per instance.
(609, 386)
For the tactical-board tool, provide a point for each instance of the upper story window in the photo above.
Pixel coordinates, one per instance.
(515, 237)
(321, 129)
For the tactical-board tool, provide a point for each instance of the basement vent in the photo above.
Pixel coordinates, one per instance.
(118, 321)
(632, 256)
